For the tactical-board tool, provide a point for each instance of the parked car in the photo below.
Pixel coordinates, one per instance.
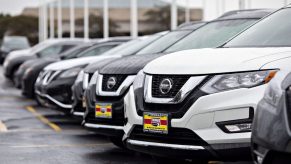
(199, 104)
(12, 43)
(115, 79)
(29, 51)
(53, 85)
(82, 81)
(28, 72)
(52, 48)
(271, 126)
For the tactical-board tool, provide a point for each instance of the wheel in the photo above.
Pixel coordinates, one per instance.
(117, 142)
(163, 160)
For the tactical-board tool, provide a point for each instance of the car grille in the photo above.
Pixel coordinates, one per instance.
(178, 82)
(119, 81)
(175, 136)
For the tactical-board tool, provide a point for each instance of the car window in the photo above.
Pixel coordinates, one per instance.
(211, 35)
(97, 50)
(50, 51)
(133, 46)
(273, 31)
(74, 53)
(163, 43)
(66, 47)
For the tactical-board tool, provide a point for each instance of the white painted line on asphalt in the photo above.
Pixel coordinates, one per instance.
(3, 127)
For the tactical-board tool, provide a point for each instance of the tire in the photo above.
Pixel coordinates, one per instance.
(163, 160)
(117, 142)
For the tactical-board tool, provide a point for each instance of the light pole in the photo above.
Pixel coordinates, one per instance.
(133, 19)
(105, 19)
(242, 4)
(60, 20)
(45, 21)
(86, 20)
(52, 20)
(72, 18)
(174, 15)
(40, 21)
(187, 11)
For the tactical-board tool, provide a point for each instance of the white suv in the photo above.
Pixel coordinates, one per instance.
(199, 104)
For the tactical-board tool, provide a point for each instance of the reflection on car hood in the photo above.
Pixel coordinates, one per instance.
(130, 65)
(67, 64)
(96, 66)
(220, 60)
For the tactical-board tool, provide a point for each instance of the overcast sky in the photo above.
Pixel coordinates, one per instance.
(15, 7)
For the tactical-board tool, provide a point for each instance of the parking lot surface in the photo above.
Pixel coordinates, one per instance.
(33, 134)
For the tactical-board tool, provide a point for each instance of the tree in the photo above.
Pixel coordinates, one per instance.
(162, 17)
(20, 26)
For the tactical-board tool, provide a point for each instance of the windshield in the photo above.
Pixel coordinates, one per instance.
(15, 43)
(163, 43)
(273, 31)
(212, 34)
(74, 52)
(97, 50)
(133, 46)
(50, 51)
(40, 46)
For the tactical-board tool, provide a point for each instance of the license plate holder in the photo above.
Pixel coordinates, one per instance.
(156, 123)
(103, 110)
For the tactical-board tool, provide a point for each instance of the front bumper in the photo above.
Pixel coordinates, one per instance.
(201, 119)
(110, 127)
(58, 93)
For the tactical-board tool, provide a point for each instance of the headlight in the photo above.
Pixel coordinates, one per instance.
(93, 80)
(80, 76)
(139, 80)
(70, 73)
(226, 82)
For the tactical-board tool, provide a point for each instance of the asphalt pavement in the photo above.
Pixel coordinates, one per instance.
(31, 134)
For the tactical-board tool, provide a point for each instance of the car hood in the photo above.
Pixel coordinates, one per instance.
(96, 66)
(67, 64)
(129, 65)
(39, 61)
(220, 60)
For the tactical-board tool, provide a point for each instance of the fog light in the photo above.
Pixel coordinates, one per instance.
(239, 127)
